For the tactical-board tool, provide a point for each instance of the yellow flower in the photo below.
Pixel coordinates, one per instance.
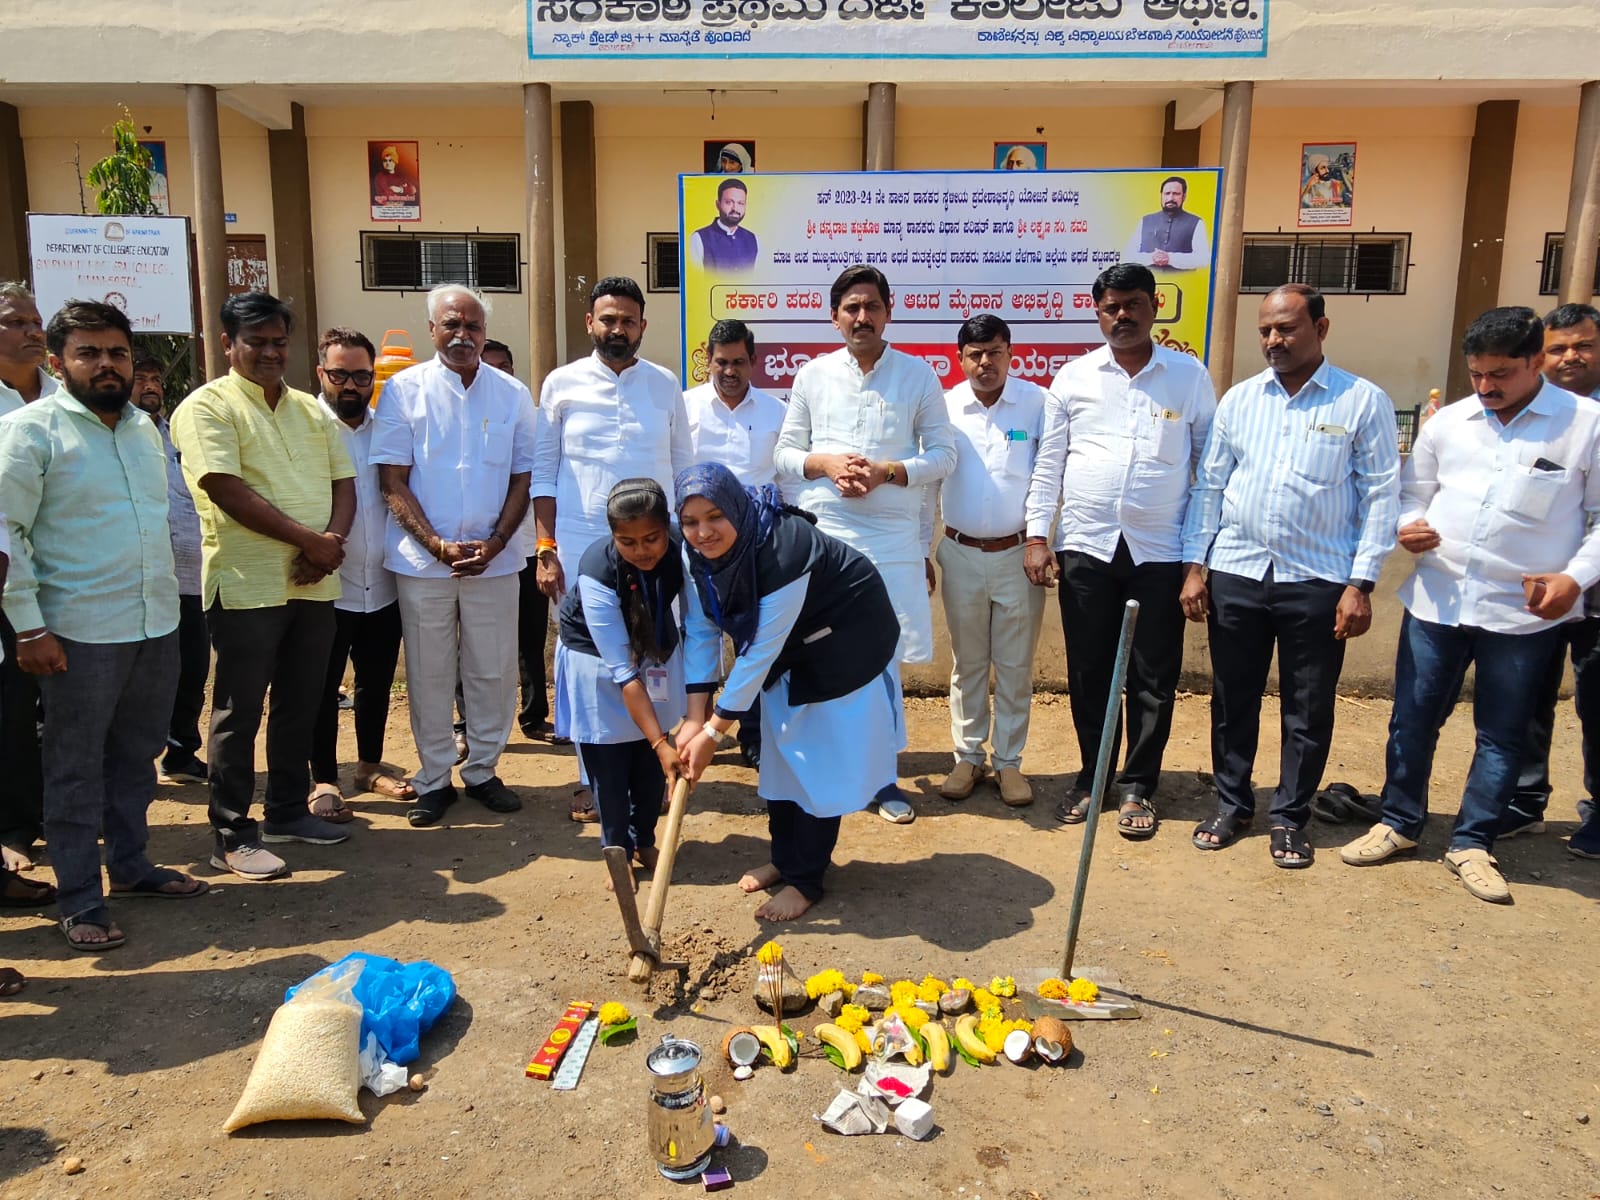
(1053, 989)
(1003, 986)
(612, 1013)
(1082, 991)
(930, 991)
(870, 979)
(902, 991)
(911, 1015)
(983, 998)
(824, 982)
(1025, 1026)
(993, 1032)
(852, 1017)
(962, 984)
(770, 954)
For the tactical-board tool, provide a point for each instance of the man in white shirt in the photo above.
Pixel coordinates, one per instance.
(736, 425)
(1124, 428)
(453, 442)
(1499, 501)
(866, 430)
(367, 613)
(605, 418)
(1172, 239)
(991, 611)
(23, 380)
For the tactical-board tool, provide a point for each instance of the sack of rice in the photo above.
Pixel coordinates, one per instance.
(309, 1064)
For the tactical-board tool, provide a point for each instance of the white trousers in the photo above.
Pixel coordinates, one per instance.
(993, 614)
(468, 625)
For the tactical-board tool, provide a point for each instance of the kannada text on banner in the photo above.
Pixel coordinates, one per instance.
(980, 29)
(1026, 247)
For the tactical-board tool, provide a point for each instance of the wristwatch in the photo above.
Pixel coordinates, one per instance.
(889, 476)
(1364, 586)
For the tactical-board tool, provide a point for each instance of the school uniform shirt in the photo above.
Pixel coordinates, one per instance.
(1119, 452)
(182, 519)
(1308, 485)
(741, 439)
(895, 412)
(1506, 500)
(463, 445)
(11, 400)
(598, 427)
(86, 515)
(986, 495)
(368, 585)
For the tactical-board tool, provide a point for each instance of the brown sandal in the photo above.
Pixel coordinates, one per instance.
(381, 783)
(327, 802)
(583, 810)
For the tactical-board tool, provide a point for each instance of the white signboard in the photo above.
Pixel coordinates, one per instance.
(139, 264)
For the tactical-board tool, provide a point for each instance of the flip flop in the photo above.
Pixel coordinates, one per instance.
(583, 810)
(327, 802)
(150, 886)
(382, 783)
(99, 917)
(43, 895)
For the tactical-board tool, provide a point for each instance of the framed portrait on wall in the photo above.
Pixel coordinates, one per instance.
(160, 189)
(723, 157)
(396, 175)
(1327, 184)
(1019, 156)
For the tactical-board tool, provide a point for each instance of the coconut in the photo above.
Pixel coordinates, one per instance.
(741, 1047)
(1052, 1039)
(1018, 1046)
(955, 1001)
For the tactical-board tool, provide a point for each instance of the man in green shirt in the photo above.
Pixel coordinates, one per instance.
(92, 595)
(275, 490)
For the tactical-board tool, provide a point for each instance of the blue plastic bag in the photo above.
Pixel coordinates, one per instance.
(399, 1001)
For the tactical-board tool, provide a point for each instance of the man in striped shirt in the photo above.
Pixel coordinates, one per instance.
(1293, 511)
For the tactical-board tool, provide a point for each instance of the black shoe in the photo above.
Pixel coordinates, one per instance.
(430, 806)
(181, 770)
(750, 756)
(494, 795)
(535, 731)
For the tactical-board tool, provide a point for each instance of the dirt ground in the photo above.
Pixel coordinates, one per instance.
(1327, 1033)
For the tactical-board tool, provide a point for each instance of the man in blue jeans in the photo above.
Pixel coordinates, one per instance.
(1498, 501)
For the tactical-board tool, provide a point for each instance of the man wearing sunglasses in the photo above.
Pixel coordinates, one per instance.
(367, 613)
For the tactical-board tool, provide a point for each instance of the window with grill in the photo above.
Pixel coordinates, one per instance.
(1550, 267)
(1362, 264)
(416, 262)
(661, 250)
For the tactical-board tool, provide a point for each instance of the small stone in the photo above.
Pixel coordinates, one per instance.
(72, 1166)
(1582, 1118)
(1323, 1108)
(1373, 1146)
(1111, 1095)
(1527, 1115)
(1357, 1101)
(743, 1072)
(36, 1076)
(830, 1003)
(717, 1105)
(416, 1083)
(69, 1070)
(954, 1001)
(873, 996)
(468, 1108)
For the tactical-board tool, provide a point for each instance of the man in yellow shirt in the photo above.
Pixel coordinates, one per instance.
(275, 490)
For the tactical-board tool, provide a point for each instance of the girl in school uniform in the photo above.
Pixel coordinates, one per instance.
(625, 687)
(813, 633)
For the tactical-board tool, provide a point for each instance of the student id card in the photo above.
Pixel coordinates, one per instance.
(655, 684)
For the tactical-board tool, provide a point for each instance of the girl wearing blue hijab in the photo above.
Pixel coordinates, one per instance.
(813, 634)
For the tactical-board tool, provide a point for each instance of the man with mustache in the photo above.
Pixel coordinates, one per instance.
(602, 419)
(275, 491)
(181, 763)
(1172, 239)
(453, 443)
(94, 600)
(1499, 502)
(1293, 512)
(867, 429)
(1124, 428)
(23, 380)
(366, 616)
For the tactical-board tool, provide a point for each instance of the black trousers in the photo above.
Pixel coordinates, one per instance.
(1093, 595)
(284, 648)
(802, 846)
(628, 787)
(1249, 617)
(1533, 783)
(194, 667)
(21, 763)
(371, 643)
(533, 631)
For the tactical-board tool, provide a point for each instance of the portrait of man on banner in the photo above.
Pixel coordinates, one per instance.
(1019, 156)
(1327, 183)
(396, 191)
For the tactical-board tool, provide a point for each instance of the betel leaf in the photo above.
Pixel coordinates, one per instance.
(834, 1056)
(617, 1033)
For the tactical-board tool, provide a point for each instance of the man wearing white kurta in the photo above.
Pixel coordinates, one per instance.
(867, 430)
(605, 418)
(992, 611)
(454, 446)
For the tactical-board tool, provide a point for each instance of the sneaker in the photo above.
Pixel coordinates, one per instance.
(962, 779)
(1515, 822)
(893, 805)
(494, 795)
(1586, 842)
(175, 771)
(1015, 791)
(1377, 844)
(251, 861)
(1479, 874)
(313, 831)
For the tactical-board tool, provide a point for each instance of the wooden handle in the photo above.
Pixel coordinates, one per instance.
(640, 968)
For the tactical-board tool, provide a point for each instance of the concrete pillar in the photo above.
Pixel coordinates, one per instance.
(210, 231)
(1179, 147)
(13, 198)
(291, 222)
(538, 153)
(1483, 228)
(1582, 237)
(580, 230)
(1237, 102)
(880, 128)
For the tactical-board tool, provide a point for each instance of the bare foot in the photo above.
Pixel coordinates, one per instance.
(87, 934)
(647, 857)
(13, 859)
(760, 879)
(635, 883)
(785, 906)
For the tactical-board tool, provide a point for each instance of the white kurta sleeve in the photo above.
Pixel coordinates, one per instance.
(778, 613)
(794, 439)
(546, 444)
(1049, 465)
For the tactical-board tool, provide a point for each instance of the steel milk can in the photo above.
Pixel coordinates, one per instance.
(679, 1125)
